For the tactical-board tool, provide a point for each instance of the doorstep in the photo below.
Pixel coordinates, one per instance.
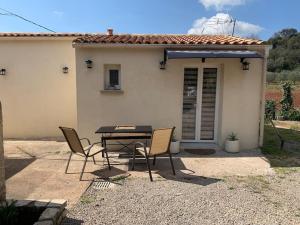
(199, 145)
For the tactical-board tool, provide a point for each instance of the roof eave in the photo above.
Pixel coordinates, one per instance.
(200, 46)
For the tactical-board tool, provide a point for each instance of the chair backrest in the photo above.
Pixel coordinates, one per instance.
(72, 139)
(161, 140)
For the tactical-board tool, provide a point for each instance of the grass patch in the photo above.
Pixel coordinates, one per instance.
(286, 170)
(257, 184)
(272, 151)
(86, 199)
(118, 178)
(295, 127)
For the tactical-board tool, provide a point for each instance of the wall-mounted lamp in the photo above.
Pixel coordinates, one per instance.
(65, 69)
(162, 65)
(245, 65)
(203, 60)
(89, 64)
(2, 72)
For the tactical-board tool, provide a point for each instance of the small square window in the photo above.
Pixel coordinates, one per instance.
(112, 77)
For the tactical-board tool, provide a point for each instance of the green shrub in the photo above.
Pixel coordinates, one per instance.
(270, 109)
(287, 103)
(232, 137)
(294, 115)
(8, 213)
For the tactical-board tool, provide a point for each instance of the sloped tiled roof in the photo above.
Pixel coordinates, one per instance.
(171, 39)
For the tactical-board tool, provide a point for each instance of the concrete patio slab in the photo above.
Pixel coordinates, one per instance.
(35, 169)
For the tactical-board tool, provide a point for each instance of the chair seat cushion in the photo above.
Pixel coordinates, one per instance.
(141, 150)
(94, 149)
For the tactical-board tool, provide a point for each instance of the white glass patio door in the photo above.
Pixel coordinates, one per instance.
(199, 104)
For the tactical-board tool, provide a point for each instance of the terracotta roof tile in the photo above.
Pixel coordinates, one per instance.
(166, 39)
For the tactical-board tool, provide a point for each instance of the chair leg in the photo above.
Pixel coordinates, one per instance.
(107, 159)
(133, 160)
(94, 160)
(68, 162)
(171, 160)
(154, 160)
(148, 165)
(83, 168)
(103, 145)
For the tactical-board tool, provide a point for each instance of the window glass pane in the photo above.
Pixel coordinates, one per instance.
(113, 77)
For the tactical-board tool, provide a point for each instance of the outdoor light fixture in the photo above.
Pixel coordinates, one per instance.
(89, 64)
(65, 69)
(2, 72)
(162, 65)
(203, 60)
(245, 65)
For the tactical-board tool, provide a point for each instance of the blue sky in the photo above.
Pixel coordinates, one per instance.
(259, 18)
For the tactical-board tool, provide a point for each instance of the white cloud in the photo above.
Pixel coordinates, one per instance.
(223, 23)
(58, 14)
(221, 4)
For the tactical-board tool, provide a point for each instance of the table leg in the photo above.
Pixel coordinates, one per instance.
(103, 145)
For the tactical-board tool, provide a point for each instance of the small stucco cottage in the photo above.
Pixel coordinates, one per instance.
(206, 85)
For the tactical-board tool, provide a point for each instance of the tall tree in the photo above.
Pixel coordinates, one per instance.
(286, 33)
(285, 52)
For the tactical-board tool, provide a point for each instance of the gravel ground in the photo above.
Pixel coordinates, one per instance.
(260, 200)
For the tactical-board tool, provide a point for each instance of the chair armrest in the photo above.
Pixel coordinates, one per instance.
(95, 143)
(88, 140)
(141, 144)
(88, 149)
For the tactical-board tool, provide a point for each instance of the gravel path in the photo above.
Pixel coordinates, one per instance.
(260, 200)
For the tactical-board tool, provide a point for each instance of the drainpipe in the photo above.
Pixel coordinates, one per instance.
(2, 174)
(262, 99)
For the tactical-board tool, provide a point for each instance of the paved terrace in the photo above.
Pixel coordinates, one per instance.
(35, 169)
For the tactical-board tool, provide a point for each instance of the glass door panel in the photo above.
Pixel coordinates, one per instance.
(189, 116)
(208, 106)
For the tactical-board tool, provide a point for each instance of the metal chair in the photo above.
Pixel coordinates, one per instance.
(160, 144)
(76, 147)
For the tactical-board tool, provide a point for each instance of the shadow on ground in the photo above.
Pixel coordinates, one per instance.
(163, 168)
(105, 173)
(15, 165)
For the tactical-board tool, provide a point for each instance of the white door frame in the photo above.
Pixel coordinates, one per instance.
(199, 100)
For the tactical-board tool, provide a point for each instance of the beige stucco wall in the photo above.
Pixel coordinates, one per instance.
(153, 96)
(36, 96)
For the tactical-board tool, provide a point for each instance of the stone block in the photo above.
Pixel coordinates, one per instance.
(23, 203)
(50, 214)
(47, 222)
(57, 203)
(41, 203)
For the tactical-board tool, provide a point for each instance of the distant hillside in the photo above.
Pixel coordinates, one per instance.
(285, 55)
